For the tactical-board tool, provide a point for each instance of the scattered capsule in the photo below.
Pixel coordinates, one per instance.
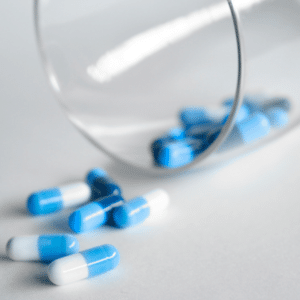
(101, 184)
(139, 209)
(175, 134)
(55, 199)
(41, 247)
(253, 128)
(85, 264)
(179, 153)
(94, 214)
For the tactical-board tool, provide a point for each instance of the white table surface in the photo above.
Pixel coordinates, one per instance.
(230, 233)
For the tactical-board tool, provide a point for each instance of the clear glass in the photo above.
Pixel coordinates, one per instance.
(123, 69)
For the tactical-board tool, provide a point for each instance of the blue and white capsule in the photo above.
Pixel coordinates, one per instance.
(137, 210)
(55, 199)
(101, 184)
(179, 153)
(86, 264)
(94, 215)
(44, 248)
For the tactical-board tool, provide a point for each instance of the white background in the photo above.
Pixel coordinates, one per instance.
(231, 232)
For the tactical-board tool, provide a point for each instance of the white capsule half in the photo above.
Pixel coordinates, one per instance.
(23, 248)
(75, 194)
(69, 269)
(158, 200)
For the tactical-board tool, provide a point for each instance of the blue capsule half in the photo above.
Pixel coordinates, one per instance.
(179, 153)
(175, 134)
(101, 184)
(44, 247)
(93, 215)
(132, 213)
(139, 209)
(45, 202)
(55, 199)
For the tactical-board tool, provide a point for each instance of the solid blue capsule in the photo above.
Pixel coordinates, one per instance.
(139, 209)
(179, 153)
(93, 215)
(101, 184)
(55, 199)
(86, 264)
(44, 247)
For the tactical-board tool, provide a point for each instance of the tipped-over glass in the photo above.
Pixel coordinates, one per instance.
(168, 85)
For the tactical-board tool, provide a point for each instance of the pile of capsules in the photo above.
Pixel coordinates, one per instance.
(200, 127)
(67, 264)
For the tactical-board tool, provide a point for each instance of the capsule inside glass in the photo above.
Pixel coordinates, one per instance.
(125, 70)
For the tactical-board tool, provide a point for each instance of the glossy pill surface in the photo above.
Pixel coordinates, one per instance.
(55, 199)
(101, 184)
(86, 264)
(140, 208)
(41, 247)
(93, 215)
